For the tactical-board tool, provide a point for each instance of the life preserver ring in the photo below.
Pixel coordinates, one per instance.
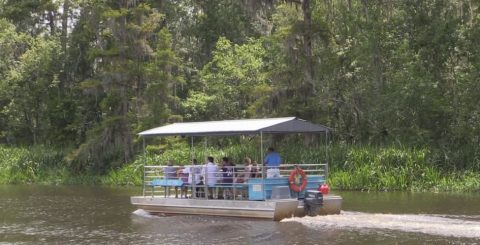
(293, 175)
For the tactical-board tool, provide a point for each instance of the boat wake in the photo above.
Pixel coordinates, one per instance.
(441, 225)
(143, 213)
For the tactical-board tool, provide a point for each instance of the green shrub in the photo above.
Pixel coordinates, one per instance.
(367, 168)
(35, 165)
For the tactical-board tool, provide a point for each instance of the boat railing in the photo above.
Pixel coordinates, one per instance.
(200, 183)
(309, 169)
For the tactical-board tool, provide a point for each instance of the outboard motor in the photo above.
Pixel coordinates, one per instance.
(313, 202)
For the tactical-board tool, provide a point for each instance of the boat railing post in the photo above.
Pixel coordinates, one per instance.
(144, 180)
(205, 183)
(194, 180)
(262, 166)
(234, 184)
(326, 155)
(204, 170)
(192, 168)
(326, 171)
(144, 164)
(153, 187)
(167, 188)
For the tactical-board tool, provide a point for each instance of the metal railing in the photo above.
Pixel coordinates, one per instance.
(200, 183)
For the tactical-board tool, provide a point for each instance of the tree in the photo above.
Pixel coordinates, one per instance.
(31, 16)
(235, 79)
(121, 58)
(29, 88)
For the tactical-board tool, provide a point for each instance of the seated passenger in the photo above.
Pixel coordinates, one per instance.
(255, 171)
(170, 172)
(227, 177)
(243, 178)
(194, 174)
(248, 168)
(200, 190)
(183, 176)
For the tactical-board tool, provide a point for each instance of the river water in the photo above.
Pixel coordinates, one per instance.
(99, 215)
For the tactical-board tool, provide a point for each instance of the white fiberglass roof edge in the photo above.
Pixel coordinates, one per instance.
(236, 127)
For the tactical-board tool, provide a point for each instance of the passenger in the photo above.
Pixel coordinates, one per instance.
(247, 173)
(255, 171)
(244, 177)
(170, 172)
(194, 173)
(194, 170)
(200, 189)
(227, 178)
(272, 163)
(219, 175)
(209, 173)
(183, 176)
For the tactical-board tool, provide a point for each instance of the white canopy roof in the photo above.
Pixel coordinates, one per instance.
(237, 127)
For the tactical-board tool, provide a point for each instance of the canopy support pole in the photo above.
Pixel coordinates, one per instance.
(192, 149)
(205, 179)
(205, 150)
(326, 155)
(192, 170)
(263, 166)
(261, 147)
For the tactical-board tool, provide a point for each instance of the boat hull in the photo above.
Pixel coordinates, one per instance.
(271, 209)
(274, 209)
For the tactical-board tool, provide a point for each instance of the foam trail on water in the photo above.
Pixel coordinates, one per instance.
(143, 213)
(428, 224)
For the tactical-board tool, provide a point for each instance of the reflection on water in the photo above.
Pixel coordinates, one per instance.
(95, 215)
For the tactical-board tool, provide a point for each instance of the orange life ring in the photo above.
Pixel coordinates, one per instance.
(293, 186)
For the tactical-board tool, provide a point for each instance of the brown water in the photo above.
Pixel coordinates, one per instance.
(98, 215)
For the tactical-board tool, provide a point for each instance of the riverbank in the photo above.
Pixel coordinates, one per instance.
(363, 168)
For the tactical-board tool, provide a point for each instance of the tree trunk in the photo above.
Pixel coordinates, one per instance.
(51, 22)
(64, 40)
(66, 9)
(307, 48)
(127, 135)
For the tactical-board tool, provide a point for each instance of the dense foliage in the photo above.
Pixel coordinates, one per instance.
(40, 164)
(364, 168)
(88, 75)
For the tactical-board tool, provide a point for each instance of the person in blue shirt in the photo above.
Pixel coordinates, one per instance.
(272, 162)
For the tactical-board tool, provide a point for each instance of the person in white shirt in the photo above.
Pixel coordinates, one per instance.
(193, 170)
(194, 173)
(209, 174)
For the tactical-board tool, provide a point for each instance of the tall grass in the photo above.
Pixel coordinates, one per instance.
(390, 168)
(38, 164)
(365, 168)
